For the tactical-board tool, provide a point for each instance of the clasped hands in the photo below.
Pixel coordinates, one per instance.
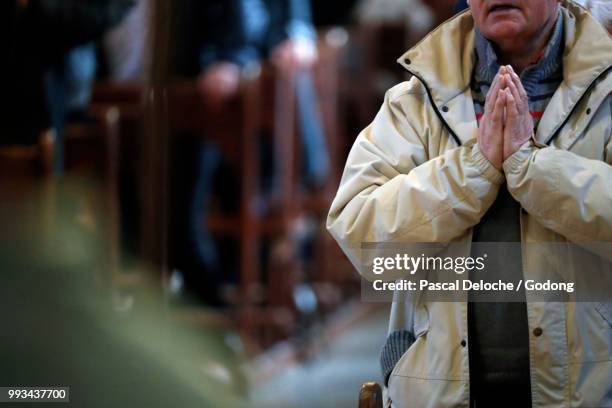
(506, 123)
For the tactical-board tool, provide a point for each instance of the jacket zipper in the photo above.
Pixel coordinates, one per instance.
(556, 132)
(435, 107)
(591, 85)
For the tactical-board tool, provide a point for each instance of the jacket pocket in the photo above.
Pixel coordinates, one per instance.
(420, 329)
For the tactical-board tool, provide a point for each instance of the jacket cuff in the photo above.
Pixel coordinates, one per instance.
(396, 345)
(518, 158)
(485, 167)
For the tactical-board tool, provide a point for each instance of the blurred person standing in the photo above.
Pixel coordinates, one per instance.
(277, 29)
(127, 47)
(417, 16)
(39, 35)
(230, 36)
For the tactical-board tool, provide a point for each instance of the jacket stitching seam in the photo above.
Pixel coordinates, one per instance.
(407, 92)
(589, 361)
(445, 209)
(429, 378)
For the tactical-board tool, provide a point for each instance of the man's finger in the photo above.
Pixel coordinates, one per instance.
(493, 93)
(498, 77)
(498, 110)
(490, 101)
(511, 107)
(521, 107)
(519, 85)
(496, 85)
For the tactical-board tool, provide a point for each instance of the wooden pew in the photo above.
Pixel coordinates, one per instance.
(96, 148)
(126, 102)
(370, 396)
(266, 107)
(234, 129)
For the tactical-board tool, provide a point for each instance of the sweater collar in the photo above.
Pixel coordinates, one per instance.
(545, 67)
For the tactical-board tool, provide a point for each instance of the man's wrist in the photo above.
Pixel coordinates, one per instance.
(483, 164)
(521, 156)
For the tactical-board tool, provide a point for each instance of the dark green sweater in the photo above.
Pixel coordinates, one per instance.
(498, 331)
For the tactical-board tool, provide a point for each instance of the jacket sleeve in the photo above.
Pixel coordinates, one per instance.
(392, 190)
(565, 192)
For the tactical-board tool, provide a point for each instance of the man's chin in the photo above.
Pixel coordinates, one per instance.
(503, 31)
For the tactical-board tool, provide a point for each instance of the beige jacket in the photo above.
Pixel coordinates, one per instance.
(416, 175)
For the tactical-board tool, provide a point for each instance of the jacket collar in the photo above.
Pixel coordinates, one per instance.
(587, 57)
(445, 58)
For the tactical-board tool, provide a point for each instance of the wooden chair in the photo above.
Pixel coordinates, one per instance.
(120, 109)
(265, 107)
(97, 148)
(234, 129)
(27, 169)
(27, 161)
(23, 168)
(329, 260)
(370, 396)
(280, 111)
(92, 150)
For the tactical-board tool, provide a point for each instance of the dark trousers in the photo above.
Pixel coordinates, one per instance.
(510, 396)
(193, 164)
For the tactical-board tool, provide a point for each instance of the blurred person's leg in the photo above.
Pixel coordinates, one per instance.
(192, 248)
(68, 86)
(315, 153)
(80, 72)
(56, 92)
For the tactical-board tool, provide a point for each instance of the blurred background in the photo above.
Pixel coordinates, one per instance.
(166, 168)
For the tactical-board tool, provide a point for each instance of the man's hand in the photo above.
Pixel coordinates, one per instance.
(294, 54)
(219, 82)
(518, 127)
(491, 130)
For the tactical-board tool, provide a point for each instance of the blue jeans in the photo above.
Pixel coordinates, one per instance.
(315, 153)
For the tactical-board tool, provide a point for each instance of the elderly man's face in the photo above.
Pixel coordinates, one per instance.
(505, 19)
